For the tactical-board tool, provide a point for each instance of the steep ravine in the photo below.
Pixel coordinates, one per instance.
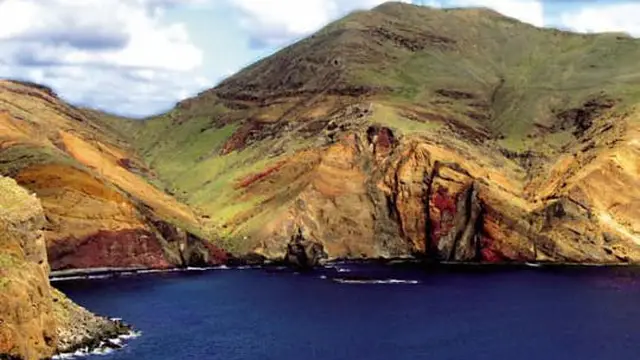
(36, 320)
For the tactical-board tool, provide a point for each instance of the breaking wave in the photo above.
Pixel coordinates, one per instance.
(375, 281)
(105, 348)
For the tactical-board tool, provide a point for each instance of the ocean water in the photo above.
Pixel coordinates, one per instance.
(371, 312)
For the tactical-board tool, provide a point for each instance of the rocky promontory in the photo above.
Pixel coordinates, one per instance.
(36, 320)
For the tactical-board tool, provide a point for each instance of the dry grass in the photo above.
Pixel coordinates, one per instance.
(16, 204)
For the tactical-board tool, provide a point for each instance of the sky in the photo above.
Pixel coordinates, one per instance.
(139, 57)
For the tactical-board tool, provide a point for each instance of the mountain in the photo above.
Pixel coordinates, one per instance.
(456, 135)
(451, 135)
(102, 207)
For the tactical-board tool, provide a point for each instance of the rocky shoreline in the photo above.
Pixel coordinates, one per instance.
(80, 331)
(99, 273)
(104, 344)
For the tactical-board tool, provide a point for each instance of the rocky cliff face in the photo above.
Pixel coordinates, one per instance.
(27, 321)
(409, 131)
(101, 207)
(428, 198)
(36, 321)
(403, 131)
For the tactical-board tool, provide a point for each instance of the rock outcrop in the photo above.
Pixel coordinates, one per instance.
(36, 321)
(304, 254)
(77, 328)
(27, 320)
(101, 206)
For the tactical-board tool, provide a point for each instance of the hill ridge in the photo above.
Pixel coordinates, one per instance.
(452, 135)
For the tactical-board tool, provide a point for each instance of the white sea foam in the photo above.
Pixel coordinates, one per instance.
(219, 267)
(375, 281)
(81, 277)
(136, 272)
(323, 277)
(103, 349)
(130, 335)
(343, 270)
(197, 269)
(535, 265)
(153, 271)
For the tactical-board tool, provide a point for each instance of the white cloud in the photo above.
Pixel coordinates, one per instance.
(623, 17)
(124, 91)
(115, 33)
(121, 55)
(528, 11)
(273, 22)
(125, 56)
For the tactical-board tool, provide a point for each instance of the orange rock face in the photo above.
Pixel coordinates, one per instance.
(369, 196)
(101, 208)
(27, 321)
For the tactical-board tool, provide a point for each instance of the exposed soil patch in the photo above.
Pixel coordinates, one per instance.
(124, 248)
(254, 178)
(383, 140)
(455, 94)
(252, 131)
(40, 87)
(314, 127)
(412, 41)
(241, 97)
(527, 159)
(581, 119)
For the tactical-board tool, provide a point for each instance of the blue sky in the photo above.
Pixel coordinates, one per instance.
(139, 57)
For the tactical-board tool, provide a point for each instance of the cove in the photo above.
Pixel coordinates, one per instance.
(373, 312)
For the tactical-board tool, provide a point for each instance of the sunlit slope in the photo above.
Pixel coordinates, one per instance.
(455, 134)
(101, 206)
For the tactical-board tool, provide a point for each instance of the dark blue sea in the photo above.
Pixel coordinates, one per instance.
(373, 312)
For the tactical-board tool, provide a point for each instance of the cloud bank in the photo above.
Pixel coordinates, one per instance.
(116, 54)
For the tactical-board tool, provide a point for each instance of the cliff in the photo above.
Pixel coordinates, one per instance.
(451, 135)
(36, 321)
(27, 321)
(101, 205)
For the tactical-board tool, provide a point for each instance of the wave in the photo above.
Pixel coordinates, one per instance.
(337, 268)
(130, 335)
(375, 281)
(80, 277)
(135, 272)
(155, 271)
(105, 348)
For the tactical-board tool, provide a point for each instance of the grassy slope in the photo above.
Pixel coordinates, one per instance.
(186, 159)
(519, 76)
(543, 69)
